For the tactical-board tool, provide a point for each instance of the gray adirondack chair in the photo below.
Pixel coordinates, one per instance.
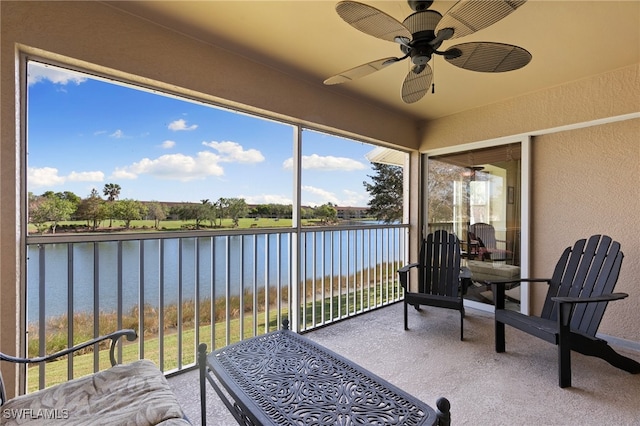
(441, 282)
(579, 291)
(482, 242)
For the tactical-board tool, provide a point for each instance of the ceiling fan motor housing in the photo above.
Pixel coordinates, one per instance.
(419, 5)
(422, 27)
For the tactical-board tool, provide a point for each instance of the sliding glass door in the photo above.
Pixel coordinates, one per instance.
(477, 194)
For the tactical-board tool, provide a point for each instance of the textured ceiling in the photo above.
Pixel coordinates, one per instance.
(569, 40)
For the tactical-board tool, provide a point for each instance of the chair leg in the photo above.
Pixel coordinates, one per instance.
(498, 302)
(601, 349)
(462, 324)
(564, 365)
(564, 345)
(499, 332)
(406, 322)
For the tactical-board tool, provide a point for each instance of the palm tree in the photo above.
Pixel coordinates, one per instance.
(112, 192)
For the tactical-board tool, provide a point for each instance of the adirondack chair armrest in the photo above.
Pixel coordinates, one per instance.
(406, 268)
(593, 299)
(499, 286)
(128, 333)
(404, 271)
(519, 280)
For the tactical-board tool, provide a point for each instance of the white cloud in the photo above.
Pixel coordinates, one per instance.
(40, 72)
(86, 176)
(118, 134)
(43, 176)
(123, 174)
(326, 163)
(353, 198)
(181, 125)
(267, 199)
(320, 194)
(176, 167)
(48, 176)
(315, 196)
(233, 152)
(168, 144)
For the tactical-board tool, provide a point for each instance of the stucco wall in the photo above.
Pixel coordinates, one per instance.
(608, 95)
(584, 181)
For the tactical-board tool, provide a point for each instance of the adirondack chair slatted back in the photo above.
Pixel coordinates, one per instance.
(440, 264)
(589, 268)
(484, 232)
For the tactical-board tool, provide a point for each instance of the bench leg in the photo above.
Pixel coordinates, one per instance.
(202, 366)
(443, 412)
(462, 323)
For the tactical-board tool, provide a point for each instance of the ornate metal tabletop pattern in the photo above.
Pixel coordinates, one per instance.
(296, 382)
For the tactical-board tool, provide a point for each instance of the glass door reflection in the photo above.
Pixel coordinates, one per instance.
(475, 194)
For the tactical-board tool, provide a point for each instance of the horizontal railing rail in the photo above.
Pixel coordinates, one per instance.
(179, 289)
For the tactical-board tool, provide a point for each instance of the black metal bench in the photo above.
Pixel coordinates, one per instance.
(282, 378)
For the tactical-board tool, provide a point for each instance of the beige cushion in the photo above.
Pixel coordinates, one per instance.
(132, 394)
(481, 271)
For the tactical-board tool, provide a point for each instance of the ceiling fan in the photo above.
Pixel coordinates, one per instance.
(422, 33)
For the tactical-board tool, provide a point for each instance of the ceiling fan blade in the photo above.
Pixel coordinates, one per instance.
(415, 86)
(487, 57)
(360, 71)
(468, 16)
(371, 21)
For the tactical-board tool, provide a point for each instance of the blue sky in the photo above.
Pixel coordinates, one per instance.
(84, 133)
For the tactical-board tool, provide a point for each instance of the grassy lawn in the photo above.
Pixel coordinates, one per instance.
(56, 372)
(174, 225)
(339, 305)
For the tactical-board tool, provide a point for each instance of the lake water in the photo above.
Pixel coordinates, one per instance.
(223, 265)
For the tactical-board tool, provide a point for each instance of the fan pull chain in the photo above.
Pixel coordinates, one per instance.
(433, 84)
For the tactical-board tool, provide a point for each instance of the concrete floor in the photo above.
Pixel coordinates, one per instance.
(518, 387)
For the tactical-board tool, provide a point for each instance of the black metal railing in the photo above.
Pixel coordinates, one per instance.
(179, 289)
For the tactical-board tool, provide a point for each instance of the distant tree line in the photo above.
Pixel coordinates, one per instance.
(51, 208)
(47, 210)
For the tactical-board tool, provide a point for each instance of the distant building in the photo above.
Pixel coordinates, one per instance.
(352, 212)
(345, 213)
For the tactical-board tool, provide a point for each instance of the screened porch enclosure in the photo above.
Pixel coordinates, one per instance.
(215, 226)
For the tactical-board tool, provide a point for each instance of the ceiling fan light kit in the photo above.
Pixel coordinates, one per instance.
(422, 33)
